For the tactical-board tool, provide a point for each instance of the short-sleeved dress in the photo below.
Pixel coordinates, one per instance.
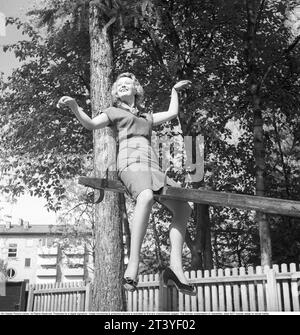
(137, 163)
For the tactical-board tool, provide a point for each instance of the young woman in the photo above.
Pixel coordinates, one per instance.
(139, 170)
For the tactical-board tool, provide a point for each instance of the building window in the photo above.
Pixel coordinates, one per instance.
(27, 262)
(12, 250)
(11, 273)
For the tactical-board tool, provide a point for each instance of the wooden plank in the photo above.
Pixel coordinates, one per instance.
(60, 295)
(169, 297)
(42, 309)
(129, 301)
(88, 297)
(180, 302)
(260, 291)
(207, 293)
(135, 301)
(52, 300)
(145, 279)
(174, 306)
(251, 288)
(140, 299)
(200, 294)
(250, 202)
(35, 299)
(236, 293)
(82, 298)
(62, 304)
(40, 299)
(271, 291)
(163, 294)
(151, 294)
(48, 300)
(228, 292)
(221, 293)
(295, 289)
(187, 298)
(194, 298)
(71, 296)
(79, 296)
(286, 291)
(214, 293)
(156, 294)
(278, 284)
(59, 289)
(244, 293)
(74, 297)
(29, 307)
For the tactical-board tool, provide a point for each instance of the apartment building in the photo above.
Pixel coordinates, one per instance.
(34, 253)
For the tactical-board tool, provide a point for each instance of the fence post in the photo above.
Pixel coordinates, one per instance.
(30, 298)
(88, 297)
(271, 291)
(163, 295)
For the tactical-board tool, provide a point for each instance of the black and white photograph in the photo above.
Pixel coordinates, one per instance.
(150, 160)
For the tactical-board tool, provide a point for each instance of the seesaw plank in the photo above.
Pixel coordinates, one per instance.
(214, 198)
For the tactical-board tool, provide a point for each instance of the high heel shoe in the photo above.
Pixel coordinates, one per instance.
(129, 284)
(170, 276)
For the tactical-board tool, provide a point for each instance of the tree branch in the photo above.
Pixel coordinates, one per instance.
(284, 53)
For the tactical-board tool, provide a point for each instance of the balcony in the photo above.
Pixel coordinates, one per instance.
(46, 261)
(45, 251)
(46, 273)
(73, 272)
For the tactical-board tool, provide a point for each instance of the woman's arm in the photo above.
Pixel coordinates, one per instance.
(159, 118)
(100, 121)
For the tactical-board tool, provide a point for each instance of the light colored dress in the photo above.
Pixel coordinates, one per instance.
(137, 163)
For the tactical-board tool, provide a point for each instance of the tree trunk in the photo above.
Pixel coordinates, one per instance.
(253, 8)
(200, 246)
(108, 294)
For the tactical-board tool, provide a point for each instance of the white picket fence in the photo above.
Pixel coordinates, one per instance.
(259, 289)
(59, 297)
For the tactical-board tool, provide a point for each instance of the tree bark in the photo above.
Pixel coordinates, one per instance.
(108, 294)
(200, 246)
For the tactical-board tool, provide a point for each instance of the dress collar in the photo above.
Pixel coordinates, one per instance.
(132, 110)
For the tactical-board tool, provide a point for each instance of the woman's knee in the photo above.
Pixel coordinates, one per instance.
(146, 197)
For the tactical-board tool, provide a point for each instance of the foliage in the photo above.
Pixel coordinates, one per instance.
(56, 66)
(3, 268)
(162, 42)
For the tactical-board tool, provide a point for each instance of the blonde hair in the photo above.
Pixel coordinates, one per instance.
(139, 96)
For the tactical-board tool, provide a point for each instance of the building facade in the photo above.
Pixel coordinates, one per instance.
(34, 253)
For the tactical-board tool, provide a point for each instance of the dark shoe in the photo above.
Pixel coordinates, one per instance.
(169, 276)
(129, 284)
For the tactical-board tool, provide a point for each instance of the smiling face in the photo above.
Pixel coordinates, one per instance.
(125, 88)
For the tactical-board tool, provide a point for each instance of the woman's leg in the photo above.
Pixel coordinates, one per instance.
(181, 213)
(139, 225)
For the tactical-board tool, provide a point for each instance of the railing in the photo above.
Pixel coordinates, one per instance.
(259, 289)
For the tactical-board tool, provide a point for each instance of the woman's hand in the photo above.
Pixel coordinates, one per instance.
(66, 101)
(182, 85)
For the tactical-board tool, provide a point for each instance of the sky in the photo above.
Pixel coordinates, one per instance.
(28, 208)
(14, 8)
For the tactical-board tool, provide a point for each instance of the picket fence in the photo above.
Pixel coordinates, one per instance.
(259, 289)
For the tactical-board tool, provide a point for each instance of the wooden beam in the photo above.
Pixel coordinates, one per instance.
(214, 198)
